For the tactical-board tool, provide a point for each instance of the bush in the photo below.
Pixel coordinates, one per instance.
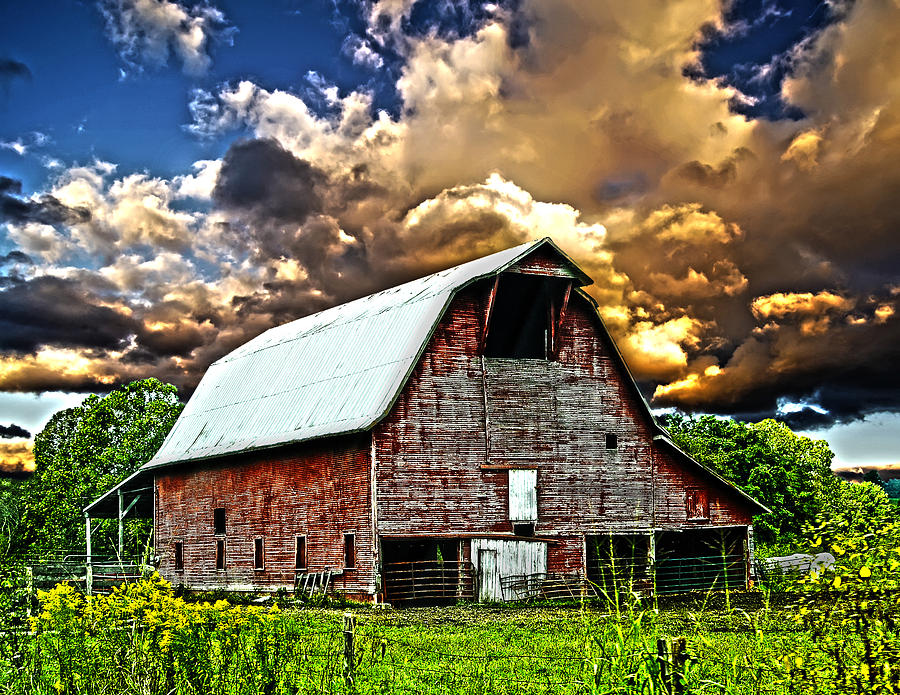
(849, 612)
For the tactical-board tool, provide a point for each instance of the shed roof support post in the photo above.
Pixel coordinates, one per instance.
(88, 573)
(121, 524)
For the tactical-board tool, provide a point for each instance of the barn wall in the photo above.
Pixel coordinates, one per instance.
(320, 491)
(461, 422)
(677, 481)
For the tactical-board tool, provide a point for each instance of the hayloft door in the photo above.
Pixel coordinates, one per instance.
(489, 576)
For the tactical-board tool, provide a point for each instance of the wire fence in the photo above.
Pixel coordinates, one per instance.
(373, 656)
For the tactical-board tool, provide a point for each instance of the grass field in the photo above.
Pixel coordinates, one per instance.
(143, 639)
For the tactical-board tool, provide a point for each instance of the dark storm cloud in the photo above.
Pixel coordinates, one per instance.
(45, 210)
(11, 70)
(15, 257)
(263, 179)
(53, 311)
(13, 431)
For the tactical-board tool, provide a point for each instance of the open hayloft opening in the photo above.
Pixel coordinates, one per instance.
(618, 563)
(701, 560)
(425, 571)
(522, 316)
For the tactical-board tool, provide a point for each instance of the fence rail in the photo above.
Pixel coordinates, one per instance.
(425, 581)
(546, 586)
(714, 572)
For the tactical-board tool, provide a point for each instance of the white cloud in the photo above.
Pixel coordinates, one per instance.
(148, 32)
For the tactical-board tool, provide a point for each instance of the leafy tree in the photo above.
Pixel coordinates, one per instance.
(892, 487)
(788, 473)
(83, 452)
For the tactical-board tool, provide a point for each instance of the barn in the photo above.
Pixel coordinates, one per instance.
(472, 434)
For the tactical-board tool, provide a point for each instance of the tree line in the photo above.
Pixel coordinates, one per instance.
(86, 450)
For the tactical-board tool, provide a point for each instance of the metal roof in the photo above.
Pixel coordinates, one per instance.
(334, 372)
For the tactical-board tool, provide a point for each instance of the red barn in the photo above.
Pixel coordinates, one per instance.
(473, 433)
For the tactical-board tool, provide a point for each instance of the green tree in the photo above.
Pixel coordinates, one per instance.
(788, 473)
(83, 452)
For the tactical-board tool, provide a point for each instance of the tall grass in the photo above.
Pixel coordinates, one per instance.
(841, 635)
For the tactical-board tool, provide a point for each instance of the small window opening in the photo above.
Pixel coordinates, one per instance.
(520, 317)
(300, 553)
(219, 521)
(523, 529)
(179, 556)
(220, 555)
(697, 502)
(612, 441)
(349, 550)
(258, 555)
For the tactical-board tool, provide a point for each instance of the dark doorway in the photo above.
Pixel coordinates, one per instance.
(520, 319)
(701, 560)
(425, 572)
(617, 563)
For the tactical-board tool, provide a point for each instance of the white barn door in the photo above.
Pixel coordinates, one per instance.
(500, 561)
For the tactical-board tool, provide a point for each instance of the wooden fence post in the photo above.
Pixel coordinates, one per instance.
(662, 660)
(349, 655)
(679, 662)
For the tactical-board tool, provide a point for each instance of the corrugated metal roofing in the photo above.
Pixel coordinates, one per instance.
(330, 373)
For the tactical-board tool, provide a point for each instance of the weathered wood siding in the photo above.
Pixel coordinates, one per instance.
(320, 491)
(678, 482)
(463, 421)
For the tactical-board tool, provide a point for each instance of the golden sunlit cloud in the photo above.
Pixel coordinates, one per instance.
(16, 458)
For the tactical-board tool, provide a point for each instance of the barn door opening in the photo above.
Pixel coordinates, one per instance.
(701, 560)
(425, 571)
(617, 563)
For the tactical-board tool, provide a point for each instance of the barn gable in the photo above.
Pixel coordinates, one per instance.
(334, 372)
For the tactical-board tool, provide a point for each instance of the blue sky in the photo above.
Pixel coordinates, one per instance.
(178, 176)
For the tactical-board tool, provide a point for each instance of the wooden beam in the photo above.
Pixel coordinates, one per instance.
(557, 325)
(487, 314)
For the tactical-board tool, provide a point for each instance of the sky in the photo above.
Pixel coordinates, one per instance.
(176, 177)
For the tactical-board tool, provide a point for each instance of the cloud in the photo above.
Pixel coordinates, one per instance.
(11, 70)
(737, 260)
(148, 32)
(45, 209)
(47, 311)
(13, 431)
(263, 179)
(16, 459)
(361, 52)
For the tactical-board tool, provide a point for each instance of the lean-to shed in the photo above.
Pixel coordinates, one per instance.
(474, 433)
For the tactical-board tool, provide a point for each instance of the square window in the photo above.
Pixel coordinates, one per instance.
(612, 441)
(220, 555)
(219, 521)
(179, 556)
(258, 555)
(349, 551)
(523, 529)
(300, 553)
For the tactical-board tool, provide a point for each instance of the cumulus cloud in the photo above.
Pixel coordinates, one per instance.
(738, 261)
(149, 32)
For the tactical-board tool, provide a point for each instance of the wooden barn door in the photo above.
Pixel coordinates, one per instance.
(489, 576)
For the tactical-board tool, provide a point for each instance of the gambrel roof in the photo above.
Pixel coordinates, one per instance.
(334, 372)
